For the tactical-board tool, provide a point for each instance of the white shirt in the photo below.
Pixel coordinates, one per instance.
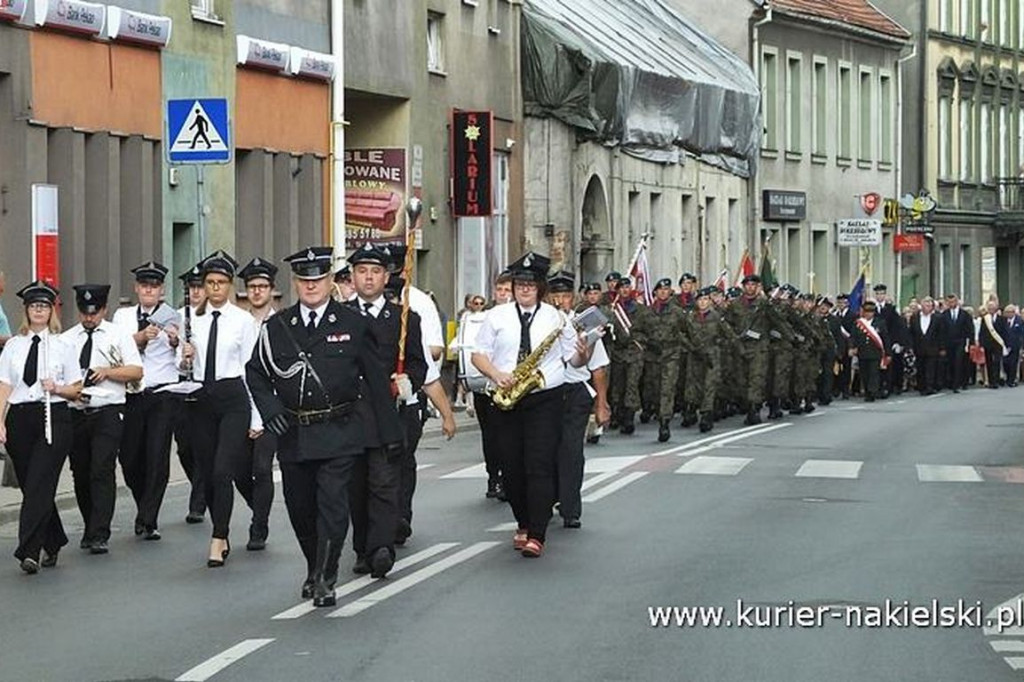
(304, 312)
(499, 335)
(430, 323)
(108, 341)
(158, 358)
(598, 359)
(236, 337)
(926, 321)
(57, 361)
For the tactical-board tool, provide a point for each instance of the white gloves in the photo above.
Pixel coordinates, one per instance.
(404, 386)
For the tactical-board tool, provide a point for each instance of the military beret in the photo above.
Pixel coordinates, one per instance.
(687, 277)
(663, 282)
(708, 290)
(625, 282)
(751, 278)
(612, 276)
(593, 286)
(734, 292)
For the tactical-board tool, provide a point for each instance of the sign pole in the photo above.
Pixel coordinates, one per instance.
(200, 203)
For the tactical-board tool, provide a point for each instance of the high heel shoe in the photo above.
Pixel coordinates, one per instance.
(213, 562)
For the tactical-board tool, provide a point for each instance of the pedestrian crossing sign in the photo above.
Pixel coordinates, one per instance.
(198, 131)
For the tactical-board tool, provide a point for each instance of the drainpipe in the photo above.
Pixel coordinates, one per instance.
(899, 162)
(753, 183)
(336, 206)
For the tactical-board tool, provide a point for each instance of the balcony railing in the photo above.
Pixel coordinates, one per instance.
(1011, 194)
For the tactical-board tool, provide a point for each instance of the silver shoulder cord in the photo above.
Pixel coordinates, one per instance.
(270, 367)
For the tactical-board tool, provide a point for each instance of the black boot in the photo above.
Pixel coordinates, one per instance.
(773, 409)
(308, 546)
(808, 405)
(705, 422)
(689, 416)
(663, 431)
(795, 406)
(753, 416)
(327, 554)
(645, 417)
(628, 427)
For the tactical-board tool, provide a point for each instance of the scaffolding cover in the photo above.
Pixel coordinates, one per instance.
(636, 74)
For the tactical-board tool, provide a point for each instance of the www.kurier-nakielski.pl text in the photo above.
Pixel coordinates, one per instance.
(890, 613)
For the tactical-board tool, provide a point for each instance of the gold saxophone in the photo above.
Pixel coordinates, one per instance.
(526, 376)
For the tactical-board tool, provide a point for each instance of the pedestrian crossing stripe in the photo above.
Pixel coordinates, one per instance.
(198, 129)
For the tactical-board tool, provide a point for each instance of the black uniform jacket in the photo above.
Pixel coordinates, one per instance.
(344, 351)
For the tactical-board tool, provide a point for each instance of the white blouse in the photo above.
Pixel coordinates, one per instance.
(57, 361)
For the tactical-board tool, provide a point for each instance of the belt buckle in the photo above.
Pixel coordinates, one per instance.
(303, 419)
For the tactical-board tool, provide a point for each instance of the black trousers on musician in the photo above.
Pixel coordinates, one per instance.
(146, 451)
(257, 489)
(578, 406)
(528, 438)
(373, 502)
(220, 422)
(97, 436)
(37, 466)
(412, 427)
(182, 428)
(484, 408)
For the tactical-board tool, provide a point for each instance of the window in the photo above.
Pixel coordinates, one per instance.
(945, 271)
(794, 101)
(965, 268)
(770, 101)
(435, 42)
(867, 108)
(1005, 35)
(988, 30)
(967, 18)
(885, 119)
(945, 138)
(1020, 141)
(820, 113)
(985, 161)
(1002, 160)
(844, 112)
(966, 141)
(946, 16)
(203, 8)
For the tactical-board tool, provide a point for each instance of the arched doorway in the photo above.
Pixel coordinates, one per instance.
(596, 246)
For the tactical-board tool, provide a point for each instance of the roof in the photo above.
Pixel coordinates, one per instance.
(856, 13)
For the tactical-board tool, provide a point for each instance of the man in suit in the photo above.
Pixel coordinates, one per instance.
(929, 333)
(840, 322)
(322, 387)
(992, 338)
(892, 377)
(961, 335)
(1014, 341)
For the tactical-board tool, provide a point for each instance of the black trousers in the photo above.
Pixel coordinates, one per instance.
(220, 421)
(484, 407)
(37, 466)
(373, 502)
(186, 453)
(927, 373)
(1011, 366)
(575, 415)
(842, 380)
(412, 427)
(870, 376)
(993, 365)
(257, 489)
(146, 451)
(528, 437)
(316, 496)
(957, 363)
(97, 436)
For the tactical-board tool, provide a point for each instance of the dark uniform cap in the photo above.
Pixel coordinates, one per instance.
(613, 276)
(193, 276)
(221, 263)
(38, 292)
(396, 253)
(751, 278)
(561, 281)
(687, 277)
(91, 298)
(150, 272)
(371, 253)
(593, 286)
(663, 282)
(707, 291)
(531, 267)
(807, 296)
(343, 273)
(625, 282)
(880, 287)
(869, 305)
(734, 292)
(256, 268)
(823, 300)
(393, 289)
(842, 297)
(312, 262)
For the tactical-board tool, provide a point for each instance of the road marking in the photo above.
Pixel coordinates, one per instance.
(929, 473)
(475, 471)
(898, 402)
(856, 407)
(277, 476)
(602, 465)
(1016, 662)
(934, 396)
(829, 468)
(598, 480)
(1013, 645)
(214, 665)
(818, 413)
(504, 527)
(359, 583)
(733, 439)
(421, 467)
(613, 487)
(718, 436)
(715, 466)
(403, 584)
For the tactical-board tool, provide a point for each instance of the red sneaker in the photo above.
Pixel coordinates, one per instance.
(533, 548)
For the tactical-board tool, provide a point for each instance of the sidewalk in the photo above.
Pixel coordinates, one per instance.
(10, 498)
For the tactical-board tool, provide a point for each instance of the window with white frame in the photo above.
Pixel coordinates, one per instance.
(865, 98)
(946, 16)
(1003, 148)
(203, 8)
(945, 137)
(844, 112)
(965, 268)
(886, 118)
(1005, 34)
(985, 151)
(967, 18)
(770, 100)
(820, 113)
(794, 102)
(966, 140)
(986, 28)
(435, 42)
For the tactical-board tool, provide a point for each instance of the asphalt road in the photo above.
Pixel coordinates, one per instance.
(909, 500)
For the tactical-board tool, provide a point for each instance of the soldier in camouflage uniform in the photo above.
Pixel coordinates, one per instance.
(708, 338)
(805, 378)
(685, 300)
(782, 355)
(626, 350)
(829, 350)
(666, 343)
(611, 280)
(751, 318)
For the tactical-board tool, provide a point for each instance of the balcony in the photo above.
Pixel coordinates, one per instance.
(1010, 217)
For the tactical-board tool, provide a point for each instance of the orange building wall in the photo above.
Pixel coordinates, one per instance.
(95, 86)
(284, 114)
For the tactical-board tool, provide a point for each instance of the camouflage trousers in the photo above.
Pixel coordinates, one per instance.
(702, 379)
(783, 357)
(624, 384)
(752, 372)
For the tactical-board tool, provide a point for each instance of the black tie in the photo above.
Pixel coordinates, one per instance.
(367, 307)
(31, 373)
(311, 325)
(143, 320)
(524, 336)
(210, 368)
(85, 358)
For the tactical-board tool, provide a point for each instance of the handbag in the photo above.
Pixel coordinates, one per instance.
(977, 354)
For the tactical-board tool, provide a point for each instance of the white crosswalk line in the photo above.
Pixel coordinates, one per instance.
(613, 487)
(829, 468)
(403, 584)
(601, 465)
(475, 471)
(359, 583)
(682, 449)
(598, 480)
(732, 439)
(714, 466)
(504, 527)
(214, 665)
(943, 473)
(421, 467)
(1015, 662)
(1007, 645)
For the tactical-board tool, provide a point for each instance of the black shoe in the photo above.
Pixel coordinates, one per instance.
(628, 428)
(645, 417)
(663, 431)
(99, 547)
(257, 538)
(404, 531)
(381, 562)
(571, 522)
(753, 417)
(492, 489)
(49, 560)
(956, 390)
(869, 399)
(689, 419)
(705, 423)
(85, 543)
(326, 572)
(213, 562)
(809, 406)
(360, 567)
(30, 566)
(140, 528)
(307, 588)
(194, 517)
(795, 408)
(151, 534)
(593, 440)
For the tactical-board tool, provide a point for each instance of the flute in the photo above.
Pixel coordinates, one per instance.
(187, 364)
(48, 410)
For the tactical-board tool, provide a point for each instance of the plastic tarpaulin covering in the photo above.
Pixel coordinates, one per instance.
(635, 73)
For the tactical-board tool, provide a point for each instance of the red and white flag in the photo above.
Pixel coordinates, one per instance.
(746, 267)
(640, 272)
(723, 280)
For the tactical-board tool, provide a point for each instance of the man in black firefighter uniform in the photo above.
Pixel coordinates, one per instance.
(318, 380)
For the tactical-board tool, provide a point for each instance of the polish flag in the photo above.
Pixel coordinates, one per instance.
(746, 267)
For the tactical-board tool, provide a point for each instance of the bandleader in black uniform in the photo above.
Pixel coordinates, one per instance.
(313, 364)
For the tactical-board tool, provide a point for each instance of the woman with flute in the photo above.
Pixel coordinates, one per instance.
(39, 373)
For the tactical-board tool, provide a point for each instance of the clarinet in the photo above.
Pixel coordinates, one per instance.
(48, 409)
(188, 330)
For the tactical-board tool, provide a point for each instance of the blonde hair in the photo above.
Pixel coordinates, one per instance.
(53, 325)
